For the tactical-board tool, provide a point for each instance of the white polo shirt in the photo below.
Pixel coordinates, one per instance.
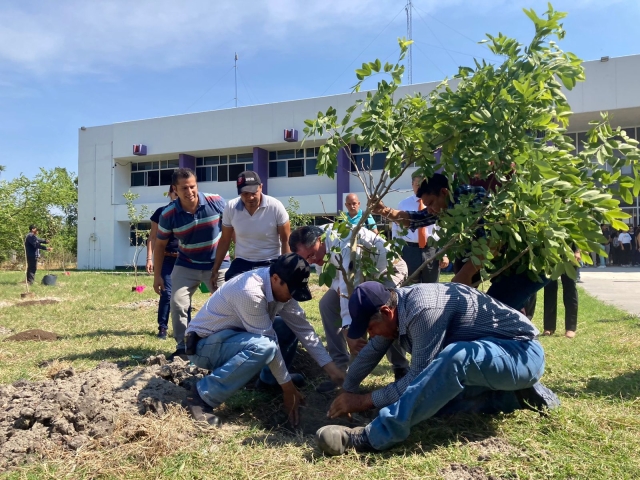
(256, 235)
(411, 204)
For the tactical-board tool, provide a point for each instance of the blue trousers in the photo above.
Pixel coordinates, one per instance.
(482, 367)
(164, 304)
(235, 356)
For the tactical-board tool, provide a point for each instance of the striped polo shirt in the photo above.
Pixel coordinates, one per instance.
(198, 233)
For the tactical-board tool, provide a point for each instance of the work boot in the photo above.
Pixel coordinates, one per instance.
(298, 380)
(335, 439)
(537, 398)
(162, 333)
(200, 411)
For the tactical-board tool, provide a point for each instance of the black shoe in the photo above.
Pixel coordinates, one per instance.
(180, 353)
(298, 380)
(537, 398)
(200, 411)
(326, 387)
(398, 373)
(162, 333)
(335, 439)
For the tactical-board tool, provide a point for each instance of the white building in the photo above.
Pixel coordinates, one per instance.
(220, 144)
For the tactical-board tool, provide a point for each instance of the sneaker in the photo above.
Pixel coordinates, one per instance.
(180, 353)
(162, 333)
(398, 373)
(326, 387)
(200, 411)
(298, 380)
(602, 266)
(335, 439)
(537, 398)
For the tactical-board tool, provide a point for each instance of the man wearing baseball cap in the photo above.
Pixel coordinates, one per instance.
(469, 353)
(258, 224)
(252, 325)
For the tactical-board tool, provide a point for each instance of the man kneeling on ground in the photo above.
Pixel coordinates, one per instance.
(237, 335)
(469, 353)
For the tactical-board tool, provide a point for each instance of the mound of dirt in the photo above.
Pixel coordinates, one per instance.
(33, 335)
(73, 410)
(459, 471)
(40, 301)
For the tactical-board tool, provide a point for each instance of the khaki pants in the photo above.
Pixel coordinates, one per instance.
(184, 283)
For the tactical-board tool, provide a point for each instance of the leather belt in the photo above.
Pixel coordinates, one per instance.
(171, 254)
(413, 244)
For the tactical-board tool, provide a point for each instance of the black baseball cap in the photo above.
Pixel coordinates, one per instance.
(294, 271)
(248, 181)
(366, 300)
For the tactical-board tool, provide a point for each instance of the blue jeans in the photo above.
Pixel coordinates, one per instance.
(235, 356)
(480, 366)
(164, 304)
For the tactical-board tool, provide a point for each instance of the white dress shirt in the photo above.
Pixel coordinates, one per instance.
(246, 303)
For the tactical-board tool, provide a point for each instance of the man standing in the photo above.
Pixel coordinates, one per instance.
(354, 213)
(606, 246)
(511, 288)
(416, 251)
(469, 353)
(625, 248)
(170, 257)
(194, 219)
(237, 334)
(334, 305)
(32, 246)
(259, 225)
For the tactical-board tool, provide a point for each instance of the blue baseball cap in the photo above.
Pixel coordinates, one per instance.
(366, 300)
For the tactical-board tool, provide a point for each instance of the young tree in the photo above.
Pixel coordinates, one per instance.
(508, 121)
(297, 219)
(136, 217)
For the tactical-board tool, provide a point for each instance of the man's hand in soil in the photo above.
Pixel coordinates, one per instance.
(347, 403)
(336, 374)
(158, 284)
(354, 345)
(292, 399)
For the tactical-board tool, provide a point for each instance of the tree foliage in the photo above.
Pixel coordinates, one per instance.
(49, 200)
(297, 219)
(508, 121)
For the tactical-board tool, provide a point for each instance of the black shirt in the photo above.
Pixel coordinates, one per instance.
(172, 245)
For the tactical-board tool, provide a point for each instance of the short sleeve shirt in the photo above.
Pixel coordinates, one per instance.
(198, 233)
(172, 246)
(257, 237)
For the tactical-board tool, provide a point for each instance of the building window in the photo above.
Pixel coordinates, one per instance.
(142, 227)
(361, 158)
(293, 163)
(153, 174)
(223, 168)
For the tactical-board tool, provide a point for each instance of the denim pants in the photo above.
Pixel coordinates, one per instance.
(235, 356)
(480, 366)
(164, 304)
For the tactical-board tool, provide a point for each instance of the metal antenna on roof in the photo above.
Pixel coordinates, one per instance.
(409, 8)
(235, 71)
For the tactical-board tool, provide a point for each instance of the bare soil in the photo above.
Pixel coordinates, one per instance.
(74, 410)
(40, 301)
(36, 335)
(5, 330)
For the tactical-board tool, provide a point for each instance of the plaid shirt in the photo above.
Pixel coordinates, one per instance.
(430, 317)
(423, 218)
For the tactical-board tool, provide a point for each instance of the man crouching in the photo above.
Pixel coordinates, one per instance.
(469, 353)
(237, 334)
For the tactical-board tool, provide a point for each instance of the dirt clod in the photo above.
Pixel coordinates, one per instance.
(33, 335)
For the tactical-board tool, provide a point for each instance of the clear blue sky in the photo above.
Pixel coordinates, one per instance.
(70, 63)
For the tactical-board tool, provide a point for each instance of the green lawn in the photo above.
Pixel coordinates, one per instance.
(595, 434)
